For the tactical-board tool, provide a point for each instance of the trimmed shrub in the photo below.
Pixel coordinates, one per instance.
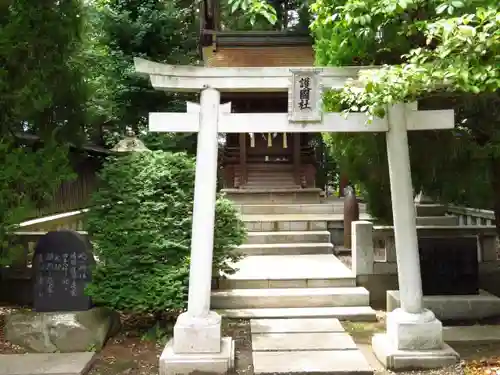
(140, 225)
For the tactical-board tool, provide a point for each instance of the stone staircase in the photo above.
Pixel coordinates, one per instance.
(433, 214)
(289, 269)
(294, 289)
(270, 176)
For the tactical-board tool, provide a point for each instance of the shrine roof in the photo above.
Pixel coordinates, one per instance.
(255, 38)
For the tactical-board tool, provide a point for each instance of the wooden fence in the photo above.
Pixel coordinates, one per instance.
(70, 195)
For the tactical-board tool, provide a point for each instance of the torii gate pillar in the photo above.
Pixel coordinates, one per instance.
(197, 345)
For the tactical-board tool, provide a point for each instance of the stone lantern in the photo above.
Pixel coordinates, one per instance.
(130, 143)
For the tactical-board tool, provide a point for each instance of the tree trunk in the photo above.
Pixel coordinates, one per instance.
(277, 5)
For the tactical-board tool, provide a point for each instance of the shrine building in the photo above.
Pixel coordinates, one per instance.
(260, 161)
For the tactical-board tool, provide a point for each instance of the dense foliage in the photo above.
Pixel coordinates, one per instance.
(289, 15)
(140, 225)
(118, 31)
(445, 54)
(42, 92)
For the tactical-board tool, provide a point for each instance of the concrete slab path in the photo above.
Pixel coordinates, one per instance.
(309, 345)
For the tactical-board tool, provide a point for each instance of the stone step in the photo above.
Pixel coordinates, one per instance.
(286, 249)
(289, 271)
(275, 209)
(271, 175)
(249, 283)
(294, 209)
(437, 220)
(258, 223)
(293, 297)
(296, 225)
(351, 313)
(298, 217)
(275, 182)
(269, 166)
(311, 237)
(268, 196)
(292, 222)
(430, 209)
(257, 185)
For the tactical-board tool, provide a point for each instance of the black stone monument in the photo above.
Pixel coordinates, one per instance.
(449, 266)
(62, 268)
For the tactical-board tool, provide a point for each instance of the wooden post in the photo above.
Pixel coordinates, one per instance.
(243, 158)
(296, 158)
(351, 214)
(344, 180)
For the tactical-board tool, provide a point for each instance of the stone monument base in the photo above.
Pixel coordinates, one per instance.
(395, 359)
(62, 332)
(211, 363)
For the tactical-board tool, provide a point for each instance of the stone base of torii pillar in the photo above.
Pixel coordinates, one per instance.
(197, 347)
(413, 341)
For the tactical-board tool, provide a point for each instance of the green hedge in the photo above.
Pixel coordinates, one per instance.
(140, 225)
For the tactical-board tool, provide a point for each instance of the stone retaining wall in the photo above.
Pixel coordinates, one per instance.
(374, 256)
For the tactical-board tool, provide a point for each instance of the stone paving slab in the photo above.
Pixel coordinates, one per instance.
(46, 363)
(296, 325)
(302, 341)
(477, 333)
(338, 362)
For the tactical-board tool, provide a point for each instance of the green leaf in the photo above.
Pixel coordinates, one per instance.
(235, 5)
(442, 8)
(270, 17)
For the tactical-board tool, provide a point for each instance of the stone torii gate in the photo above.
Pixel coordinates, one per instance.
(414, 335)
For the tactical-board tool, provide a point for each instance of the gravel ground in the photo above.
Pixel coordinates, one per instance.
(136, 350)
